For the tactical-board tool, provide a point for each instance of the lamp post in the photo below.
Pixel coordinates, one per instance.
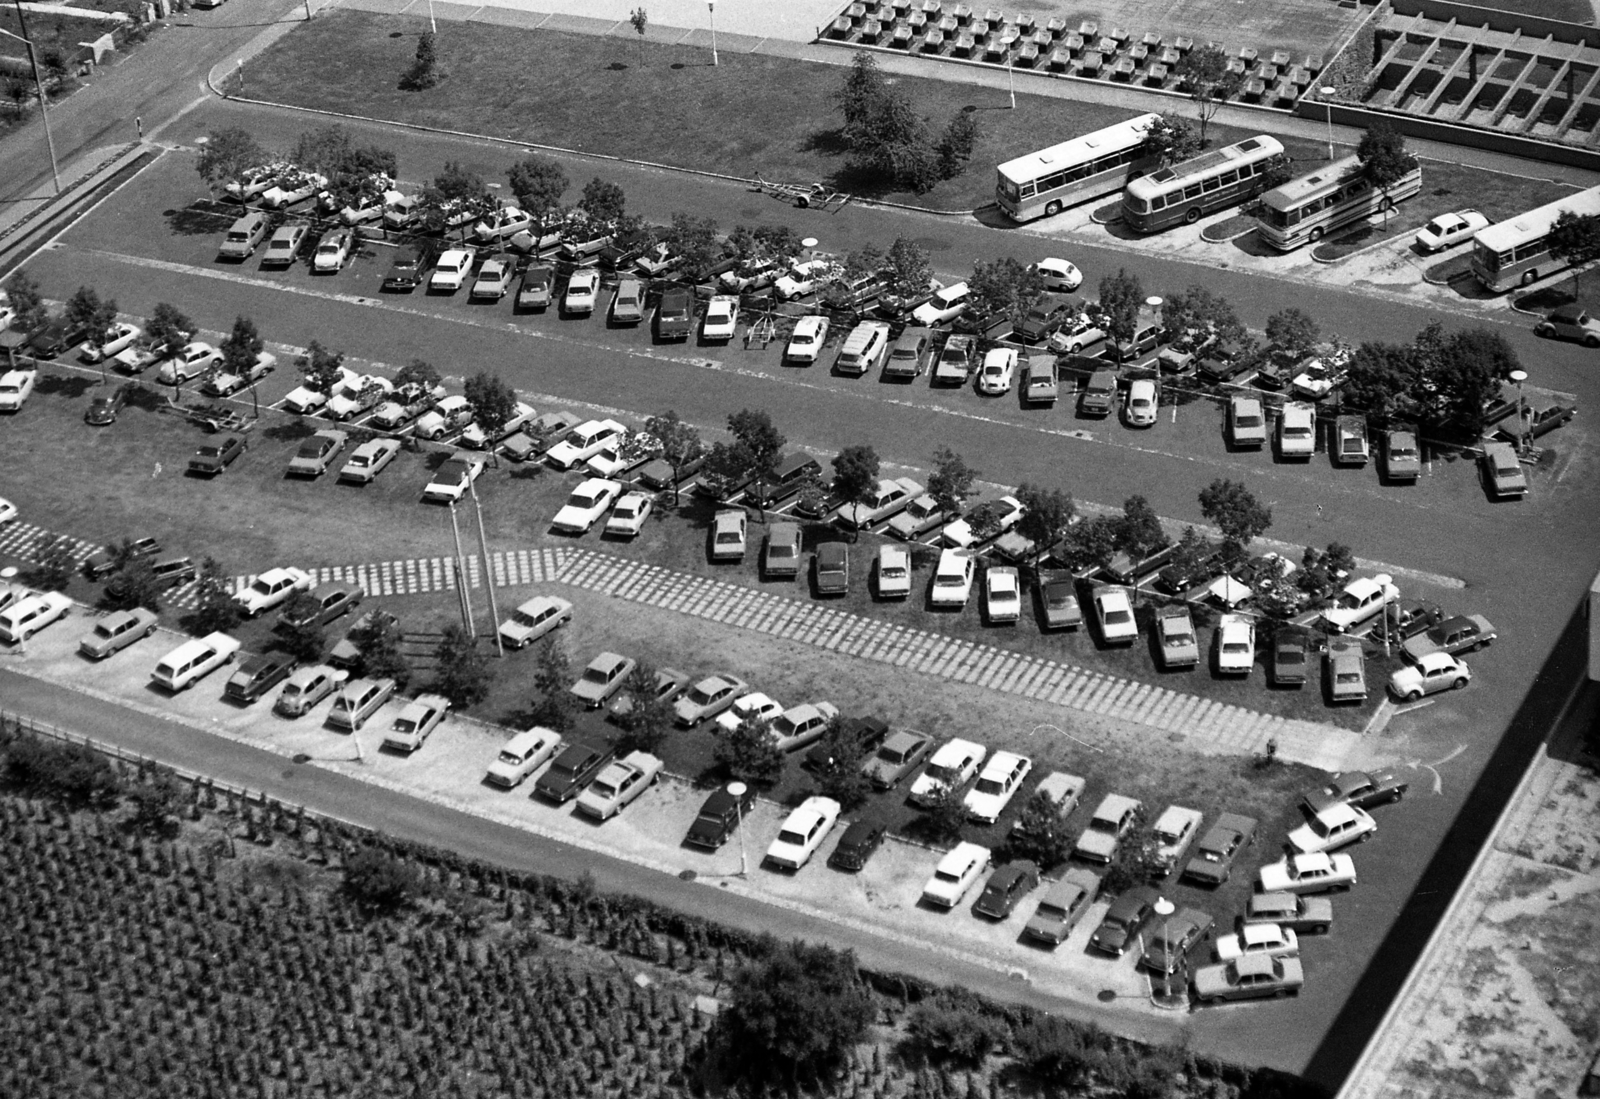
(1011, 82)
(44, 114)
(1520, 376)
(433, 23)
(1327, 95)
(711, 6)
(737, 790)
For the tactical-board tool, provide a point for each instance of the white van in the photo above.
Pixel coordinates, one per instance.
(864, 349)
(193, 660)
(27, 617)
(359, 700)
(243, 237)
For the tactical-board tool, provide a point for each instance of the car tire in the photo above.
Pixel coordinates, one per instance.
(1591, 341)
(1459, 684)
(1413, 696)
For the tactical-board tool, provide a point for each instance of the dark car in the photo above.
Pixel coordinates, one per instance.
(347, 652)
(1099, 394)
(533, 292)
(1045, 320)
(1172, 937)
(1005, 888)
(258, 675)
(1461, 634)
(1406, 618)
(572, 770)
(1290, 657)
(857, 844)
(103, 562)
(719, 817)
(56, 338)
(410, 268)
(866, 732)
(787, 478)
(217, 454)
(675, 313)
(1213, 858)
(1124, 920)
(320, 606)
(103, 410)
(1363, 789)
(832, 564)
(174, 571)
(897, 757)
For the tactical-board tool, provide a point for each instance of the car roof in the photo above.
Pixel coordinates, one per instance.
(833, 552)
(1255, 965)
(1115, 805)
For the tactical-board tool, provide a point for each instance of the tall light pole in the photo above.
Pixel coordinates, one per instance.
(461, 578)
(1520, 376)
(1327, 95)
(488, 575)
(432, 22)
(737, 790)
(38, 81)
(711, 6)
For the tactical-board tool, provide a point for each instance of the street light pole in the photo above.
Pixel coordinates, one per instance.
(461, 578)
(711, 6)
(737, 790)
(44, 114)
(1327, 95)
(488, 574)
(1520, 376)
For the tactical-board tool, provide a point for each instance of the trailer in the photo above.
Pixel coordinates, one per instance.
(805, 195)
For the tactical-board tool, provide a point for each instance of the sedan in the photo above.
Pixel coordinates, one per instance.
(1142, 403)
(271, 588)
(1273, 940)
(1405, 619)
(307, 687)
(1361, 599)
(1437, 671)
(407, 272)
(119, 337)
(756, 706)
(805, 342)
(1058, 600)
(320, 607)
(1176, 634)
(627, 518)
(952, 579)
(1332, 828)
(416, 723)
(117, 631)
(582, 289)
(603, 678)
(1063, 905)
(857, 845)
(956, 874)
(1173, 938)
(317, 453)
(1235, 645)
(720, 815)
(801, 725)
(1310, 873)
(1058, 274)
(1345, 670)
(1289, 648)
(1460, 634)
(707, 699)
(1360, 788)
(803, 279)
(999, 371)
(226, 383)
(103, 410)
(369, 460)
(585, 505)
(333, 251)
(1005, 887)
(803, 833)
(1248, 978)
(1448, 230)
(832, 568)
(1123, 921)
(571, 770)
(1114, 613)
(285, 245)
(1002, 594)
(453, 479)
(533, 619)
(212, 458)
(533, 292)
(494, 279)
(1002, 776)
(619, 785)
(451, 271)
(894, 572)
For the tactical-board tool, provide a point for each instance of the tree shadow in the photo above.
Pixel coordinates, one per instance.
(194, 222)
(826, 141)
(65, 386)
(290, 431)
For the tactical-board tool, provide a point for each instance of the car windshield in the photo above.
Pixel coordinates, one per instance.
(581, 499)
(990, 786)
(405, 725)
(700, 696)
(1349, 677)
(804, 337)
(1291, 655)
(596, 675)
(210, 451)
(939, 773)
(791, 837)
(1118, 616)
(511, 758)
(781, 551)
(892, 570)
(1102, 824)
(1249, 419)
(604, 790)
(1234, 647)
(728, 536)
(102, 631)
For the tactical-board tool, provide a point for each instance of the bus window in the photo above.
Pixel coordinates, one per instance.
(1138, 205)
(1027, 190)
(1229, 178)
(1212, 184)
(1191, 191)
(1159, 202)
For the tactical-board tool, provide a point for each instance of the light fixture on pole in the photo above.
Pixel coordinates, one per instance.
(737, 791)
(1011, 81)
(1327, 95)
(1520, 376)
(711, 6)
(44, 114)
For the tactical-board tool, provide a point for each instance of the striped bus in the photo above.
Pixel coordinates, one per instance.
(1306, 208)
(1190, 189)
(1044, 183)
(1516, 251)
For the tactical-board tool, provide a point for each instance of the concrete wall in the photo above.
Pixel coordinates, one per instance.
(1434, 130)
(1470, 15)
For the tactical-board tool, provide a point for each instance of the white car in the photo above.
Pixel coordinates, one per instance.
(8, 511)
(999, 371)
(805, 343)
(945, 305)
(452, 413)
(507, 221)
(803, 279)
(452, 480)
(582, 290)
(887, 500)
(707, 698)
(729, 535)
(951, 767)
(1143, 401)
(583, 442)
(754, 706)
(1058, 274)
(619, 784)
(627, 518)
(894, 572)
(721, 318)
(998, 783)
(1448, 230)
(272, 588)
(292, 187)
(1072, 338)
(478, 439)
(1360, 600)
(956, 874)
(1174, 830)
(1002, 593)
(522, 755)
(119, 337)
(451, 270)
(302, 400)
(29, 615)
(333, 251)
(952, 579)
(1330, 828)
(803, 833)
(357, 395)
(584, 507)
(1235, 645)
(960, 535)
(533, 619)
(1314, 873)
(1114, 612)
(1297, 430)
(800, 725)
(16, 386)
(192, 360)
(1435, 671)
(1273, 940)
(416, 723)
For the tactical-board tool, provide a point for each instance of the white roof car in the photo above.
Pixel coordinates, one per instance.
(728, 535)
(1297, 430)
(189, 662)
(1176, 637)
(368, 460)
(999, 371)
(505, 222)
(1258, 938)
(755, 705)
(618, 784)
(585, 505)
(959, 534)
(271, 588)
(1002, 593)
(1447, 230)
(28, 616)
(1236, 645)
(721, 318)
(535, 618)
(303, 400)
(803, 833)
(627, 518)
(801, 725)
(889, 498)
(1361, 598)
(1114, 612)
(956, 874)
(1143, 401)
(119, 337)
(894, 572)
(451, 270)
(950, 768)
(416, 722)
(1333, 827)
(805, 343)
(997, 784)
(1058, 274)
(1312, 873)
(1112, 818)
(707, 698)
(921, 515)
(474, 436)
(522, 755)
(15, 387)
(945, 305)
(803, 278)
(1174, 830)
(952, 579)
(582, 289)
(1435, 671)
(1247, 422)
(583, 442)
(333, 251)
(450, 413)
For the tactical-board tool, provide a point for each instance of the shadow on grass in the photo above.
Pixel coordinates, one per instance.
(289, 431)
(60, 385)
(192, 221)
(827, 142)
(1542, 301)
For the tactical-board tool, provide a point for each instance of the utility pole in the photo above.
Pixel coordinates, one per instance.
(44, 113)
(461, 578)
(488, 574)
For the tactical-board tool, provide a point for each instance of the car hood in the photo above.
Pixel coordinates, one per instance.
(583, 688)
(1053, 928)
(1419, 646)
(571, 513)
(1211, 980)
(1110, 936)
(1097, 843)
(984, 806)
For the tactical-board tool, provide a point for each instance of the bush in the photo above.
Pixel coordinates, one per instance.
(378, 883)
(955, 1026)
(73, 774)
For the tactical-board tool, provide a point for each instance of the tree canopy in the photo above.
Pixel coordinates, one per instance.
(797, 1011)
(1236, 512)
(1383, 154)
(1121, 296)
(1575, 239)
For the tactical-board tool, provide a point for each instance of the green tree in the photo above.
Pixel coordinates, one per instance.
(461, 672)
(1461, 376)
(748, 752)
(1047, 514)
(910, 269)
(1040, 834)
(300, 632)
(603, 202)
(216, 610)
(696, 240)
(1090, 542)
(883, 131)
(169, 328)
(960, 136)
(1006, 286)
(324, 150)
(1575, 239)
(858, 96)
(797, 1011)
(1383, 155)
(322, 369)
(681, 445)
(157, 799)
(538, 182)
(840, 776)
(54, 562)
(855, 476)
(381, 656)
(84, 308)
(1292, 334)
(493, 403)
(1140, 534)
(646, 722)
(241, 348)
(1236, 512)
(420, 373)
(1060, 1052)
(75, 775)
(1121, 296)
(944, 813)
(455, 190)
(134, 584)
(950, 484)
(1381, 380)
(552, 676)
(1173, 139)
(860, 262)
(1190, 552)
(22, 290)
(424, 71)
(1199, 311)
(955, 1026)
(1137, 860)
(379, 884)
(1204, 74)
(641, 21)
(757, 444)
(227, 154)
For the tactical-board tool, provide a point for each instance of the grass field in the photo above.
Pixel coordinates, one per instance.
(752, 113)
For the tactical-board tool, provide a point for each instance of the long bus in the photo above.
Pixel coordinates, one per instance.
(1190, 189)
(1516, 251)
(1044, 183)
(1306, 208)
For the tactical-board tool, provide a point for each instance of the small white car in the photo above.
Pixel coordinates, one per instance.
(1361, 599)
(16, 386)
(1174, 830)
(1059, 275)
(951, 767)
(803, 279)
(417, 721)
(1142, 404)
(803, 833)
(952, 579)
(507, 221)
(956, 874)
(119, 337)
(998, 783)
(1297, 430)
(585, 505)
(583, 442)
(805, 342)
(522, 755)
(533, 619)
(1448, 230)
(1332, 827)
(729, 535)
(959, 534)
(999, 371)
(29, 615)
(1114, 612)
(1435, 671)
(886, 501)
(1002, 594)
(721, 318)
(452, 480)
(193, 660)
(894, 572)
(493, 281)
(619, 784)
(450, 271)
(945, 305)
(801, 725)
(333, 251)
(368, 460)
(707, 698)
(627, 518)
(475, 437)
(191, 361)
(271, 588)
(302, 400)
(1313, 873)
(755, 706)
(1235, 645)
(1271, 939)
(582, 290)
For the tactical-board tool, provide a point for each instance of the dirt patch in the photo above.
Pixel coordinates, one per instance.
(1228, 228)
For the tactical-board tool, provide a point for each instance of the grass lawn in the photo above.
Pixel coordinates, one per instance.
(752, 113)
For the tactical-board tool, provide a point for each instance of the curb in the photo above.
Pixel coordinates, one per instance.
(1374, 246)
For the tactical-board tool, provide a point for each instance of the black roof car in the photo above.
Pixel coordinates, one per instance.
(56, 337)
(868, 732)
(258, 675)
(321, 606)
(833, 568)
(410, 267)
(1406, 618)
(1006, 886)
(1213, 858)
(103, 562)
(1172, 937)
(719, 816)
(346, 653)
(216, 454)
(1124, 919)
(857, 844)
(103, 410)
(572, 770)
